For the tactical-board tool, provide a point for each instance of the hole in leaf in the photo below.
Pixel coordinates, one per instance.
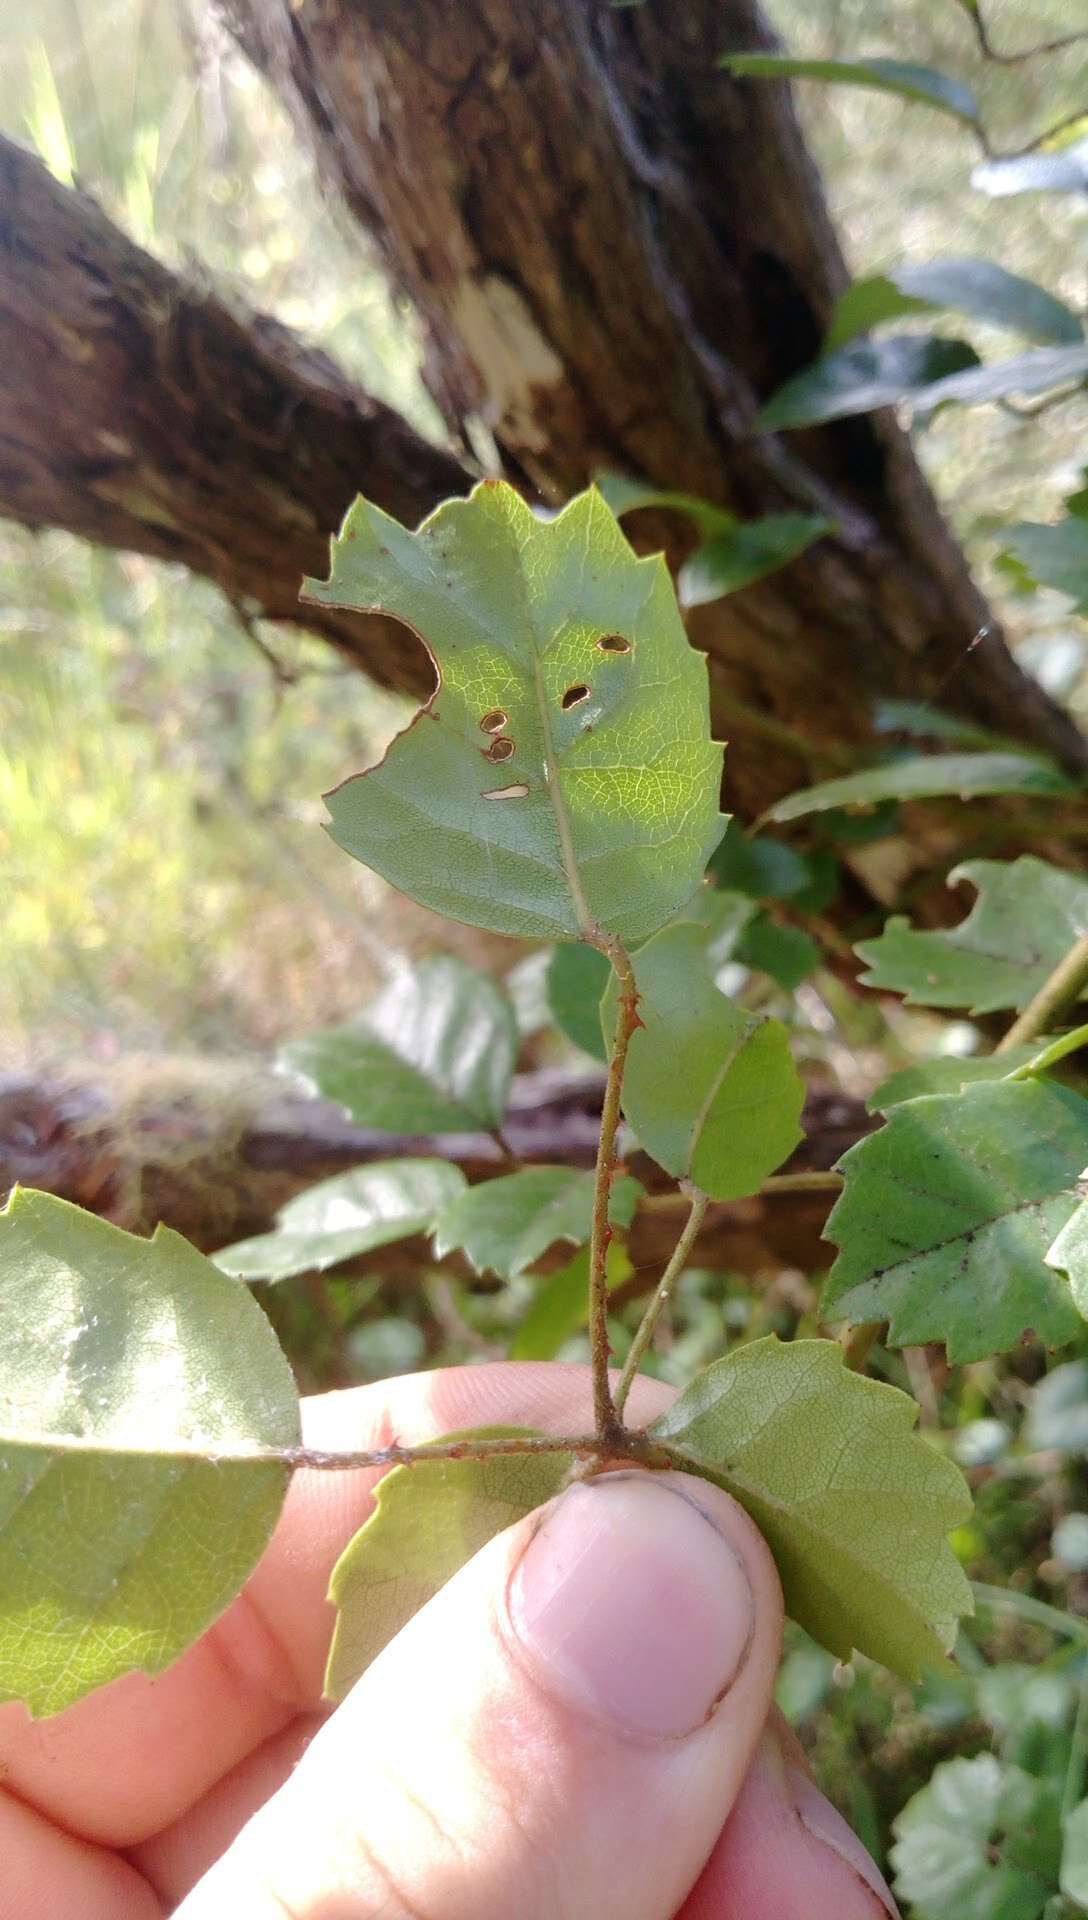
(613, 643)
(495, 721)
(499, 750)
(574, 697)
(516, 792)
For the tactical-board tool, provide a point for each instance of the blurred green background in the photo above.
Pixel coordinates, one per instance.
(166, 881)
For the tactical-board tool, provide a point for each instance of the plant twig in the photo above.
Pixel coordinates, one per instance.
(604, 1410)
(1049, 133)
(488, 1447)
(990, 52)
(1063, 987)
(812, 1180)
(662, 1293)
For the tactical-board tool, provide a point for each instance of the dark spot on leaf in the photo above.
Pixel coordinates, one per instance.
(574, 697)
(499, 749)
(613, 643)
(494, 721)
(516, 792)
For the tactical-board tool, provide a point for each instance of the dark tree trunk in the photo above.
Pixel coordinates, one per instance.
(145, 413)
(618, 252)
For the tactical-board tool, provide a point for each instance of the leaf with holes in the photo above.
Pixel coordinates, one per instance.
(429, 1519)
(353, 1213)
(562, 779)
(926, 86)
(927, 776)
(434, 1053)
(1027, 916)
(710, 1090)
(137, 1383)
(505, 1225)
(980, 288)
(948, 1213)
(854, 1505)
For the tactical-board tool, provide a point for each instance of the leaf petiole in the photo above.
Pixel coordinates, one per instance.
(605, 1412)
(662, 1294)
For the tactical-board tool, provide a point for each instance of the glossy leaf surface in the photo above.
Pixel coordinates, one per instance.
(980, 288)
(503, 1226)
(710, 1090)
(948, 1213)
(434, 1053)
(854, 1505)
(927, 777)
(563, 775)
(429, 1519)
(135, 1378)
(924, 85)
(371, 1206)
(1027, 916)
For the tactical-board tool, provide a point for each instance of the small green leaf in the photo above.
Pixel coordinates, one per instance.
(1027, 916)
(369, 1207)
(864, 375)
(710, 1090)
(625, 495)
(1027, 373)
(924, 85)
(853, 1504)
(931, 723)
(976, 287)
(951, 1073)
(136, 1383)
(577, 977)
(1054, 556)
(982, 1841)
(1073, 1879)
(434, 1053)
(1069, 1252)
(927, 777)
(563, 776)
(788, 954)
(505, 1225)
(561, 1308)
(767, 869)
(749, 552)
(429, 1519)
(947, 1215)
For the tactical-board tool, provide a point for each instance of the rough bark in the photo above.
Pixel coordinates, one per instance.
(617, 252)
(213, 1151)
(145, 413)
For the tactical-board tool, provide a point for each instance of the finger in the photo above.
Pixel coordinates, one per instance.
(45, 1873)
(98, 1769)
(556, 1734)
(786, 1851)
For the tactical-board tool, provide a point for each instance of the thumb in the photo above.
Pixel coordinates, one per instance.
(561, 1731)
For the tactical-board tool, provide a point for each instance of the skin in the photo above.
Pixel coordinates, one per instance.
(456, 1778)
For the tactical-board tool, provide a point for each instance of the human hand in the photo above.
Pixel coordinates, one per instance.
(579, 1725)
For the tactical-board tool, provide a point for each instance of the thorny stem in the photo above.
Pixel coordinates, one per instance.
(315, 1459)
(648, 1324)
(605, 1413)
(1064, 986)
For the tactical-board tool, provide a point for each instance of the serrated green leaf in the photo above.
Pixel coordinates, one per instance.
(947, 1214)
(561, 1308)
(864, 375)
(428, 1521)
(434, 1053)
(1054, 556)
(854, 1505)
(924, 85)
(503, 1226)
(353, 1213)
(710, 1090)
(968, 285)
(577, 977)
(1069, 1252)
(135, 1379)
(981, 1841)
(562, 777)
(1027, 916)
(950, 1073)
(926, 777)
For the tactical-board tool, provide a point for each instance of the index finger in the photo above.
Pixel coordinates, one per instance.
(132, 1758)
